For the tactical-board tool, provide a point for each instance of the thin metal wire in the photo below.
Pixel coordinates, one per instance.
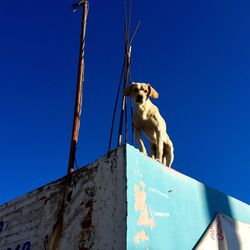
(116, 102)
(136, 29)
(123, 105)
(125, 23)
(131, 113)
(77, 167)
(126, 75)
(126, 123)
(129, 18)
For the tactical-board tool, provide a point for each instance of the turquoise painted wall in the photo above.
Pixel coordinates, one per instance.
(168, 210)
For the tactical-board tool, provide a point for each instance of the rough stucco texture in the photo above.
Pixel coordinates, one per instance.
(122, 201)
(168, 210)
(93, 213)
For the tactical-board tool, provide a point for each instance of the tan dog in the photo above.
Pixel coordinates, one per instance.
(146, 118)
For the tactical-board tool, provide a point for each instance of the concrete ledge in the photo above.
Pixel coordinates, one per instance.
(168, 210)
(122, 201)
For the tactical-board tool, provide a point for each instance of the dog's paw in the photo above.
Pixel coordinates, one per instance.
(143, 151)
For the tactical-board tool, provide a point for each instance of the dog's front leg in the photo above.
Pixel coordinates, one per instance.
(159, 147)
(140, 142)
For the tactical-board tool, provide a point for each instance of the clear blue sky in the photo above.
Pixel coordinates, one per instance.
(196, 54)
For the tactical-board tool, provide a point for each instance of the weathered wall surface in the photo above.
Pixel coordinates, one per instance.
(168, 210)
(89, 213)
(123, 201)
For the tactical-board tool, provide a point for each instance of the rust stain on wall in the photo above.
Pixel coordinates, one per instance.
(55, 238)
(85, 236)
(141, 206)
(83, 212)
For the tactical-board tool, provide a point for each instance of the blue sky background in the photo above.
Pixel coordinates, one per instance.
(196, 54)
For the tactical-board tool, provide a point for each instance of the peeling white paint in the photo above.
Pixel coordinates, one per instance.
(159, 192)
(137, 172)
(161, 214)
(94, 215)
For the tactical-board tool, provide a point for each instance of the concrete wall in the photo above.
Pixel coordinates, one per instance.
(122, 201)
(168, 210)
(87, 214)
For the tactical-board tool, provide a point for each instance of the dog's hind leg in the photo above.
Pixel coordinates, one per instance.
(168, 154)
(152, 150)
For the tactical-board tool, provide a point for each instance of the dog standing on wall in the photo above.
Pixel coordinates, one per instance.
(147, 119)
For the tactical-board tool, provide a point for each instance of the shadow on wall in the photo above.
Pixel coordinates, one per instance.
(219, 202)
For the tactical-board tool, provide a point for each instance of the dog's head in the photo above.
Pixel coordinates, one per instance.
(140, 92)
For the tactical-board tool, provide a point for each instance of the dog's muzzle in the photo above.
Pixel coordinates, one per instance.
(139, 99)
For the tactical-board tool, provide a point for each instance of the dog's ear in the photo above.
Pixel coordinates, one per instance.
(152, 92)
(127, 91)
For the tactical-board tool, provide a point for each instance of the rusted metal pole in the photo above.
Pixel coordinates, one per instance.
(79, 89)
(126, 78)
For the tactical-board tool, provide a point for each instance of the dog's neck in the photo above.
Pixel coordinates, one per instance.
(142, 109)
